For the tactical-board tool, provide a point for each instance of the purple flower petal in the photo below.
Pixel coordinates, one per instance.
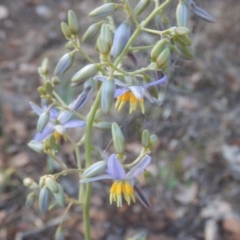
(120, 83)
(139, 168)
(93, 179)
(74, 124)
(36, 108)
(142, 198)
(119, 92)
(47, 131)
(158, 82)
(115, 169)
(53, 113)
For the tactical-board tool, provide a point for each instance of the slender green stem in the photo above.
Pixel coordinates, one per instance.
(65, 213)
(141, 48)
(88, 161)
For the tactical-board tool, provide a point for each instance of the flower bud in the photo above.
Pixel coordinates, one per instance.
(121, 37)
(158, 48)
(102, 46)
(103, 125)
(106, 35)
(85, 73)
(41, 90)
(118, 139)
(59, 196)
(185, 51)
(30, 199)
(43, 199)
(45, 67)
(64, 64)
(146, 141)
(36, 146)
(42, 181)
(163, 58)
(181, 31)
(51, 184)
(95, 169)
(183, 39)
(69, 45)
(59, 235)
(104, 10)
(141, 6)
(91, 31)
(108, 89)
(73, 22)
(66, 30)
(30, 183)
(48, 87)
(42, 121)
(154, 140)
(182, 13)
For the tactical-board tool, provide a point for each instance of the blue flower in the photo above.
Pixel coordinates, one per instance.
(133, 94)
(123, 183)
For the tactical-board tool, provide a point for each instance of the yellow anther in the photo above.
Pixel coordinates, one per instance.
(56, 136)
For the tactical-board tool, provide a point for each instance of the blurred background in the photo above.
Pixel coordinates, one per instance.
(196, 163)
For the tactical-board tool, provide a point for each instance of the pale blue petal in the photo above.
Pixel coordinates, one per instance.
(47, 131)
(93, 179)
(119, 92)
(120, 83)
(36, 108)
(74, 124)
(161, 81)
(138, 91)
(100, 78)
(64, 116)
(139, 168)
(148, 96)
(53, 113)
(115, 169)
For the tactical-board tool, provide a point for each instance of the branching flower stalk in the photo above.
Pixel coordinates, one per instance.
(113, 44)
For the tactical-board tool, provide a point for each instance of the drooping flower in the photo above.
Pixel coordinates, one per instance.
(123, 183)
(133, 94)
(60, 121)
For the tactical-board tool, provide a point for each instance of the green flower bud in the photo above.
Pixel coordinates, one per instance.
(184, 51)
(42, 181)
(42, 121)
(69, 45)
(102, 46)
(51, 184)
(55, 80)
(73, 22)
(85, 73)
(163, 58)
(118, 139)
(183, 39)
(41, 90)
(59, 196)
(43, 199)
(106, 35)
(103, 125)
(30, 183)
(108, 89)
(36, 146)
(181, 31)
(104, 10)
(154, 140)
(59, 234)
(45, 67)
(141, 6)
(95, 169)
(64, 63)
(48, 87)
(66, 30)
(91, 31)
(182, 13)
(158, 48)
(146, 141)
(30, 199)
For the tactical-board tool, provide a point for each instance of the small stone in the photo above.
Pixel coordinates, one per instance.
(43, 11)
(3, 12)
